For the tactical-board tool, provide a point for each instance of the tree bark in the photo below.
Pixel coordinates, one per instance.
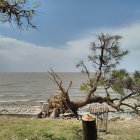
(89, 128)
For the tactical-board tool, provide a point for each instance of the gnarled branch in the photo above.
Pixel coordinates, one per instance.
(17, 11)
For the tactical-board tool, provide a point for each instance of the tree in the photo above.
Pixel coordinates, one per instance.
(18, 12)
(106, 55)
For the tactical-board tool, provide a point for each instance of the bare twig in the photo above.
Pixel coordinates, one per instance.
(69, 86)
(16, 11)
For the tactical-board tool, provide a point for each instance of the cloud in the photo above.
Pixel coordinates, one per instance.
(17, 55)
(130, 41)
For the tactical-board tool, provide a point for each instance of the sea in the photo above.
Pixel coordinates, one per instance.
(36, 87)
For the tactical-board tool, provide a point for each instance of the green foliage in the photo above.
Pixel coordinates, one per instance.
(1, 1)
(121, 80)
(117, 86)
(106, 54)
(84, 87)
(137, 77)
(112, 53)
(117, 79)
(129, 83)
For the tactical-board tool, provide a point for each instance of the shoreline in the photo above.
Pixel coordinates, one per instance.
(20, 110)
(33, 109)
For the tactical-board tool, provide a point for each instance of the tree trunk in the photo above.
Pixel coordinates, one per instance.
(89, 127)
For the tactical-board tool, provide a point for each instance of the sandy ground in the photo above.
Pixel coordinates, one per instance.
(19, 109)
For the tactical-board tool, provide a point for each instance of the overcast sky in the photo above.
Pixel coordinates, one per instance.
(65, 31)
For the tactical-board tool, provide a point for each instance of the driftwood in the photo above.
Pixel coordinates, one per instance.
(57, 106)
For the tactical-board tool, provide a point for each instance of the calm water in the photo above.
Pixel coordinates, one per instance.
(37, 86)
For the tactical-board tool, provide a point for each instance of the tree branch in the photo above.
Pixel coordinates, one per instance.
(14, 11)
(69, 86)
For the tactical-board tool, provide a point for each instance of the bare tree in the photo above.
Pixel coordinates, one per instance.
(17, 11)
(106, 55)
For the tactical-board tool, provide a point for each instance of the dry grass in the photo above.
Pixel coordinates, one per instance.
(123, 130)
(12, 128)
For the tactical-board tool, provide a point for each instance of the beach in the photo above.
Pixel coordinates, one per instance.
(21, 94)
(34, 109)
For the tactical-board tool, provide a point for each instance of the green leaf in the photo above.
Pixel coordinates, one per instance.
(84, 87)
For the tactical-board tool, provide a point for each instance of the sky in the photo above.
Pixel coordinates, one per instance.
(65, 29)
